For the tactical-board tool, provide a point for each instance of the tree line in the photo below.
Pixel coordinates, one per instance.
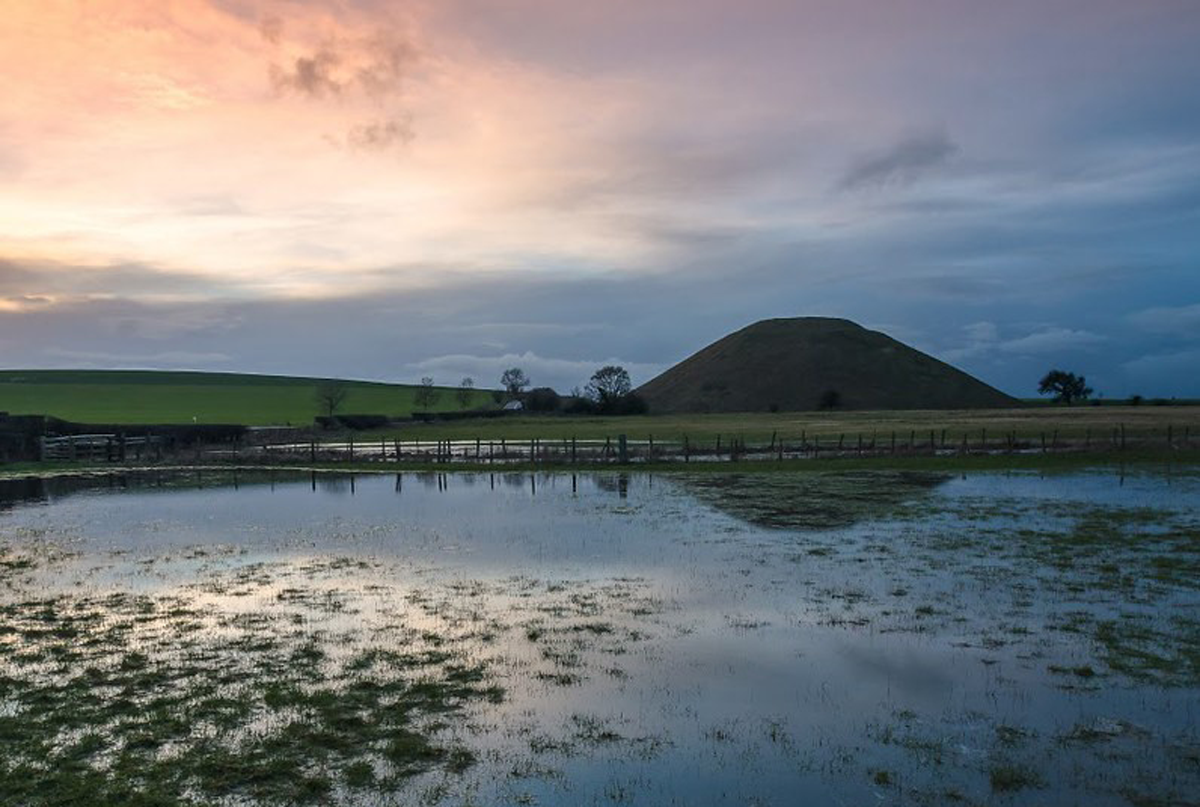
(609, 392)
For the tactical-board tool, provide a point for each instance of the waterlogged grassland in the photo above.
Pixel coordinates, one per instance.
(859, 637)
(253, 683)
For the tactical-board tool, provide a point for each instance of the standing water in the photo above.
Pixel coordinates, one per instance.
(824, 638)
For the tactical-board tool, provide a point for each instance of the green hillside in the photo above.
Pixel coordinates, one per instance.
(807, 363)
(149, 396)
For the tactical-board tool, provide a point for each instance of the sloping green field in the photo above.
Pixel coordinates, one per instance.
(135, 396)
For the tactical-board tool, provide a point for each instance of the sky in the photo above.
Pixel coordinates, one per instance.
(397, 189)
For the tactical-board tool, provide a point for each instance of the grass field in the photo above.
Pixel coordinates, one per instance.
(119, 397)
(97, 396)
(754, 427)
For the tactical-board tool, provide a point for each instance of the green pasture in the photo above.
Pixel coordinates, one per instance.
(1070, 423)
(179, 397)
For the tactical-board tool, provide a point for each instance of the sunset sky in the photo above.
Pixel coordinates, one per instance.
(390, 190)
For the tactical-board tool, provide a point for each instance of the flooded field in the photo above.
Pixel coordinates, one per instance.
(474, 639)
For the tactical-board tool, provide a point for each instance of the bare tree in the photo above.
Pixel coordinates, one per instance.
(514, 380)
(426, 394)
(330, 395)
(608, 385)
(466, 391)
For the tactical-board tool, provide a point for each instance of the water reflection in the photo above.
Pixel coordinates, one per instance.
(812, 500)
(765, 638)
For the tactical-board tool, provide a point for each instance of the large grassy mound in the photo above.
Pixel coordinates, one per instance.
(148, 396)
(810, 362)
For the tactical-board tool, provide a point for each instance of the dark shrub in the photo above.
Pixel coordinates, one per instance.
(830, 399)
(542, 399)
(579, 405)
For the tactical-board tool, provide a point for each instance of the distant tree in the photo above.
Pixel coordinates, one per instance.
(1135, 400)
(514, 380)
(542, 399)
(330, 395)
(426, 394)
(830, 399)
(608, 384)
(611, 391)
(1065, 387)
(466, 391)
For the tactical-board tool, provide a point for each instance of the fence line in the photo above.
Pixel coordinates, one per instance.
(686, 448)
(617, 449)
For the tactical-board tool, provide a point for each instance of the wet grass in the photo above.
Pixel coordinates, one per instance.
(141, 699)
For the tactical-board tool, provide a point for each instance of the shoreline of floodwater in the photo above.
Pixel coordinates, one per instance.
(1168, 460)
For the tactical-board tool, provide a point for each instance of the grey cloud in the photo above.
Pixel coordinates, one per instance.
(392, 56)
(378, 65)
(381, 135)
(900, 164)
(1181, 321)
(170, 358)
(66, 284)
(312, 75)
(373, 68)
(271, 28)
(1152, 368)
(1052, 340)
